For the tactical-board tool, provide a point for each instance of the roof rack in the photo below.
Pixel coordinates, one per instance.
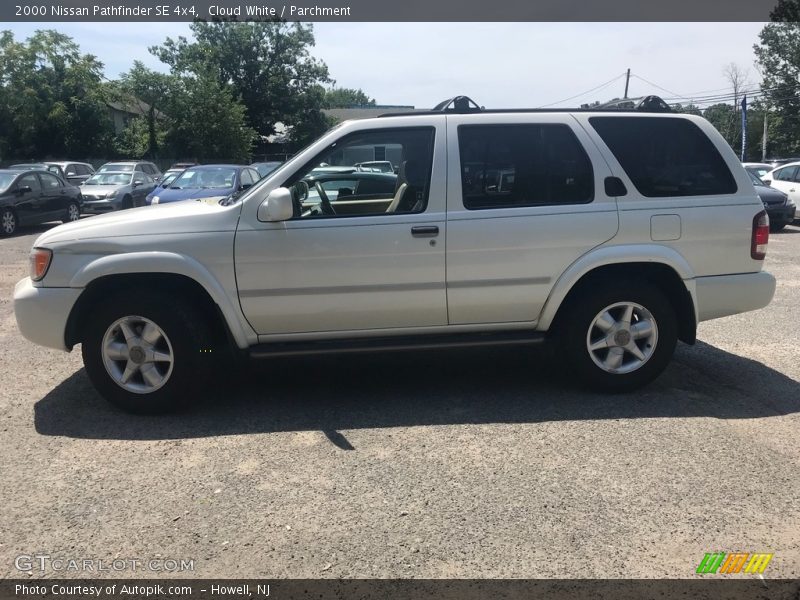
(461, 105)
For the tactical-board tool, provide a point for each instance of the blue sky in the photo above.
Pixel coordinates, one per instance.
(498, 64)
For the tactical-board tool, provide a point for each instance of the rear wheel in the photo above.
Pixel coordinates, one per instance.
(146, 353)
(8, 222)
(618, 336)
(73, 213)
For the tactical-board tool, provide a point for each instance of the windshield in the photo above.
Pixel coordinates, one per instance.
(109, 179)
(6, 180)
(204, 178)
(756, 180)
(115, 167)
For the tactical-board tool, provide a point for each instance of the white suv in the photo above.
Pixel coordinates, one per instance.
(612, 235)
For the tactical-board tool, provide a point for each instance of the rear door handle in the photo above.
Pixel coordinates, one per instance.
(425, 231)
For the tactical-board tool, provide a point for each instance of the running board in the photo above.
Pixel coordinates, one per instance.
(397, 343)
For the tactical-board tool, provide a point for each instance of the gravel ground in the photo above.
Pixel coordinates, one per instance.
(437, 465)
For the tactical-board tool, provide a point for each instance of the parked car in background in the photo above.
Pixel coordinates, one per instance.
(777, 162)
(786, 179)
(142, 166)
(758, 169)
(107, 191)
(54, 169)
(30, 197)
(780, 208)
(74, 172)
(378, 166)
(265, 168)
(207, 181)
(166, 179)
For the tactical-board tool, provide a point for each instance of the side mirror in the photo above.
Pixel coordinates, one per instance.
(277, 207)
(70, 174)
(244, 186)
(137, 183)
(24, 189)
(767, 181)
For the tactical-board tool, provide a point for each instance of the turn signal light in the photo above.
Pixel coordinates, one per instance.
(40, 262)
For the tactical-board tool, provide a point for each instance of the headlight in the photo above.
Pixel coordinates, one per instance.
(111, 194)
(154, 200)
(40, 261)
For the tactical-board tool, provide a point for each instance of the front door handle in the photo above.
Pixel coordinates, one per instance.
(425, 231)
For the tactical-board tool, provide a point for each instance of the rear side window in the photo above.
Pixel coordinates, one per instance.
(506, 166)
(786, 174)
(666, 156)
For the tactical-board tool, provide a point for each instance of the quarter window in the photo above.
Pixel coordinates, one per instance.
(666, 156)
(506, 166)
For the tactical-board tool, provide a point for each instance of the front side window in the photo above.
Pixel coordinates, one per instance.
(507, 166)
(334, 185)
(666, 156)
(31, 181)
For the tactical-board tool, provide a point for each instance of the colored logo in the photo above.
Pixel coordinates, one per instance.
(733, 562)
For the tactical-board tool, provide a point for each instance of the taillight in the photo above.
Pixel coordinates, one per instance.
(760, 236)
(40, 262)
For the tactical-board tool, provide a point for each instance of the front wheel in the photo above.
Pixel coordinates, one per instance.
(620, 336)
(8, 222)
(146, 353)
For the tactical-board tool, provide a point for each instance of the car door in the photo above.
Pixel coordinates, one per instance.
(787, 180)
(524, 201)
(28, 202)
(321, 272)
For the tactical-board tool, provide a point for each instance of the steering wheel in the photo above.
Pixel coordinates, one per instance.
(327, 208)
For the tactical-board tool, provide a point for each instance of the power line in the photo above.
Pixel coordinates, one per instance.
(594, 89)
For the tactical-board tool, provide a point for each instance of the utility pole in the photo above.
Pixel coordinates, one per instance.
(764, 138)
(627, 81)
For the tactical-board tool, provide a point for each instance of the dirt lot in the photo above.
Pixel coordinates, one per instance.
(445, 464)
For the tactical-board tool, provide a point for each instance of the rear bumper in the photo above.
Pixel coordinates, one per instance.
(725, 295)
(42, 313)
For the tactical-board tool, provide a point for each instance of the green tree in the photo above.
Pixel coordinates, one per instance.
(778, 56)
(267, 65)
(346, 98)
(156, 91)
(206, 121)
(52, 101)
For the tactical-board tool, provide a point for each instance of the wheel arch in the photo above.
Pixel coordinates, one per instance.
(665, 269)
(174, 273)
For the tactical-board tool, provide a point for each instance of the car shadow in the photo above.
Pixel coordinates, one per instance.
(24, 230)
(419, 389)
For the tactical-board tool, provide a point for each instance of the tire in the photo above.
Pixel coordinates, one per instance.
(182, 336)
(584, 323)
(127, 202)
(73, 213)
(8, 222)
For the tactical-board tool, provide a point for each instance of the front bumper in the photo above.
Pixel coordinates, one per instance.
(98, 207)
(724, 295)
(42, 312)
(781, 214)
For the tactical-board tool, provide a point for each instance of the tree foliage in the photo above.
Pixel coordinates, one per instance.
(778, 57)
(267, 65)
(346, 98)
(52, 101)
